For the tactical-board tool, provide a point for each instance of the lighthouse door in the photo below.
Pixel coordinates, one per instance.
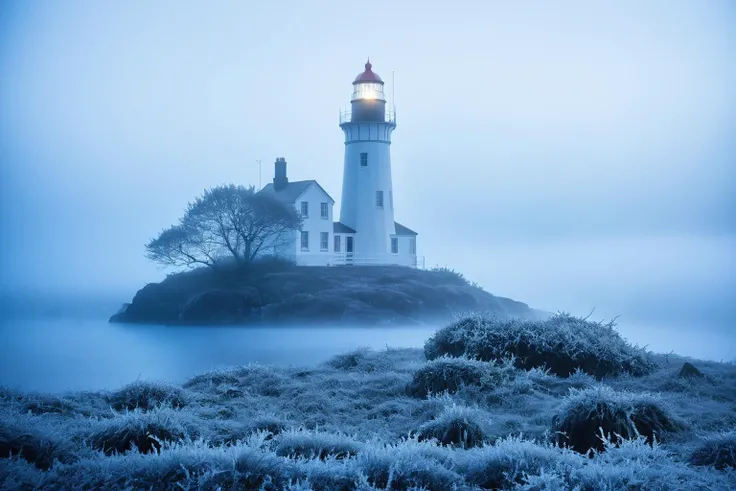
(348, 250)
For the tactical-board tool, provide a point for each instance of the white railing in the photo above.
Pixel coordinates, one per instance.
(347, 259)
(390, 115)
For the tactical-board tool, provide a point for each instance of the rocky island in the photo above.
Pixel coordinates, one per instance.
(278, 292)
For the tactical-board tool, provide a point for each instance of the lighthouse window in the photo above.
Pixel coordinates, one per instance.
(394, 245)
(305, 240)
(364, 160)
(305, 209)
(324, 241)
(379, 199)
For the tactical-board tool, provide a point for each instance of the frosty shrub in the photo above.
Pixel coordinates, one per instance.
(144, 431)
(449, 374)
(584, 413)
(562, 344)
(349, 361)
(181, 466)
(30, 445)
(408, 465)
(457, 426)
(507, 462)
(46, 403)
(718, 451)
(269, 423)
(315, 444)
(147, 395)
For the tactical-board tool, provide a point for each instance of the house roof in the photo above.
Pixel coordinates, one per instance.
(341, 228)
(291, 192)
(401, 230)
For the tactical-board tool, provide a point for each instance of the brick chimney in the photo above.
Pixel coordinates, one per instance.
(279, 179)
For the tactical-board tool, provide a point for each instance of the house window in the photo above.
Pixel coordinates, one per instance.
(413, 246)
(394, 245)
(379, 199)
(305, 209)
(323, 210)
(324, 241)
(305, 240)
(337, 243)
(364, 160)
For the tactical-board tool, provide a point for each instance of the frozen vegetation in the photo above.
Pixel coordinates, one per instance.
(560, 404)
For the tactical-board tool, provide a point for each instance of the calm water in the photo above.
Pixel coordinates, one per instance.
(58, 355)
(61, 354)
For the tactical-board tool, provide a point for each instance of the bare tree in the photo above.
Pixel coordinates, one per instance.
(228, 222)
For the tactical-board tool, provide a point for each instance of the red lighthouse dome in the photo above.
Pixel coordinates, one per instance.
(368, 75)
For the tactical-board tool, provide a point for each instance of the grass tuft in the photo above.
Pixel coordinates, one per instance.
(145, 396)
(457, 426)
(142, 431)
(588, 417)
(451, 374)
(718, 451)
(562, 344)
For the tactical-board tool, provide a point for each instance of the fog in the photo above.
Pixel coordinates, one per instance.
(573, 158)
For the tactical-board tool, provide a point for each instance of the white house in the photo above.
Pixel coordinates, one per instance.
(366, 232)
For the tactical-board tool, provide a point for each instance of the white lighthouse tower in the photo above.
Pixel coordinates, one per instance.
(367, 193)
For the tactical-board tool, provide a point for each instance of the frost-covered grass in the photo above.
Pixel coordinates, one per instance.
(375, 420)
(588, 418)
(562, 344)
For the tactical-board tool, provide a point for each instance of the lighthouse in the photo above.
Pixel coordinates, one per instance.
(367, 204)
(366, 233)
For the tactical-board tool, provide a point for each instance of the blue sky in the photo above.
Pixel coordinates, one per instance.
(576, 157)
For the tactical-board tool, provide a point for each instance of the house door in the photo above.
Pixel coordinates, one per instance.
(348, 250)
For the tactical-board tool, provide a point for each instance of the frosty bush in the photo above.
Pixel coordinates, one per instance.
(457, 426)
(147, 395)
(192, 466)
(30, 445)
(718, 451)
(315, 444)
(408, 465)
(505, 463)
(449, 374)
(562, 343)
(585, 413)
(139, 430)
(361, 360)
(349, 360)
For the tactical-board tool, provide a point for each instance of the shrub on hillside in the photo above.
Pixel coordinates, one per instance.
(315, 444)
(144, 431)
(449, 374)
(718, 451)
(148, 395)
(457, 426)
(585, 414)
(449, 276)
(562, 344)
